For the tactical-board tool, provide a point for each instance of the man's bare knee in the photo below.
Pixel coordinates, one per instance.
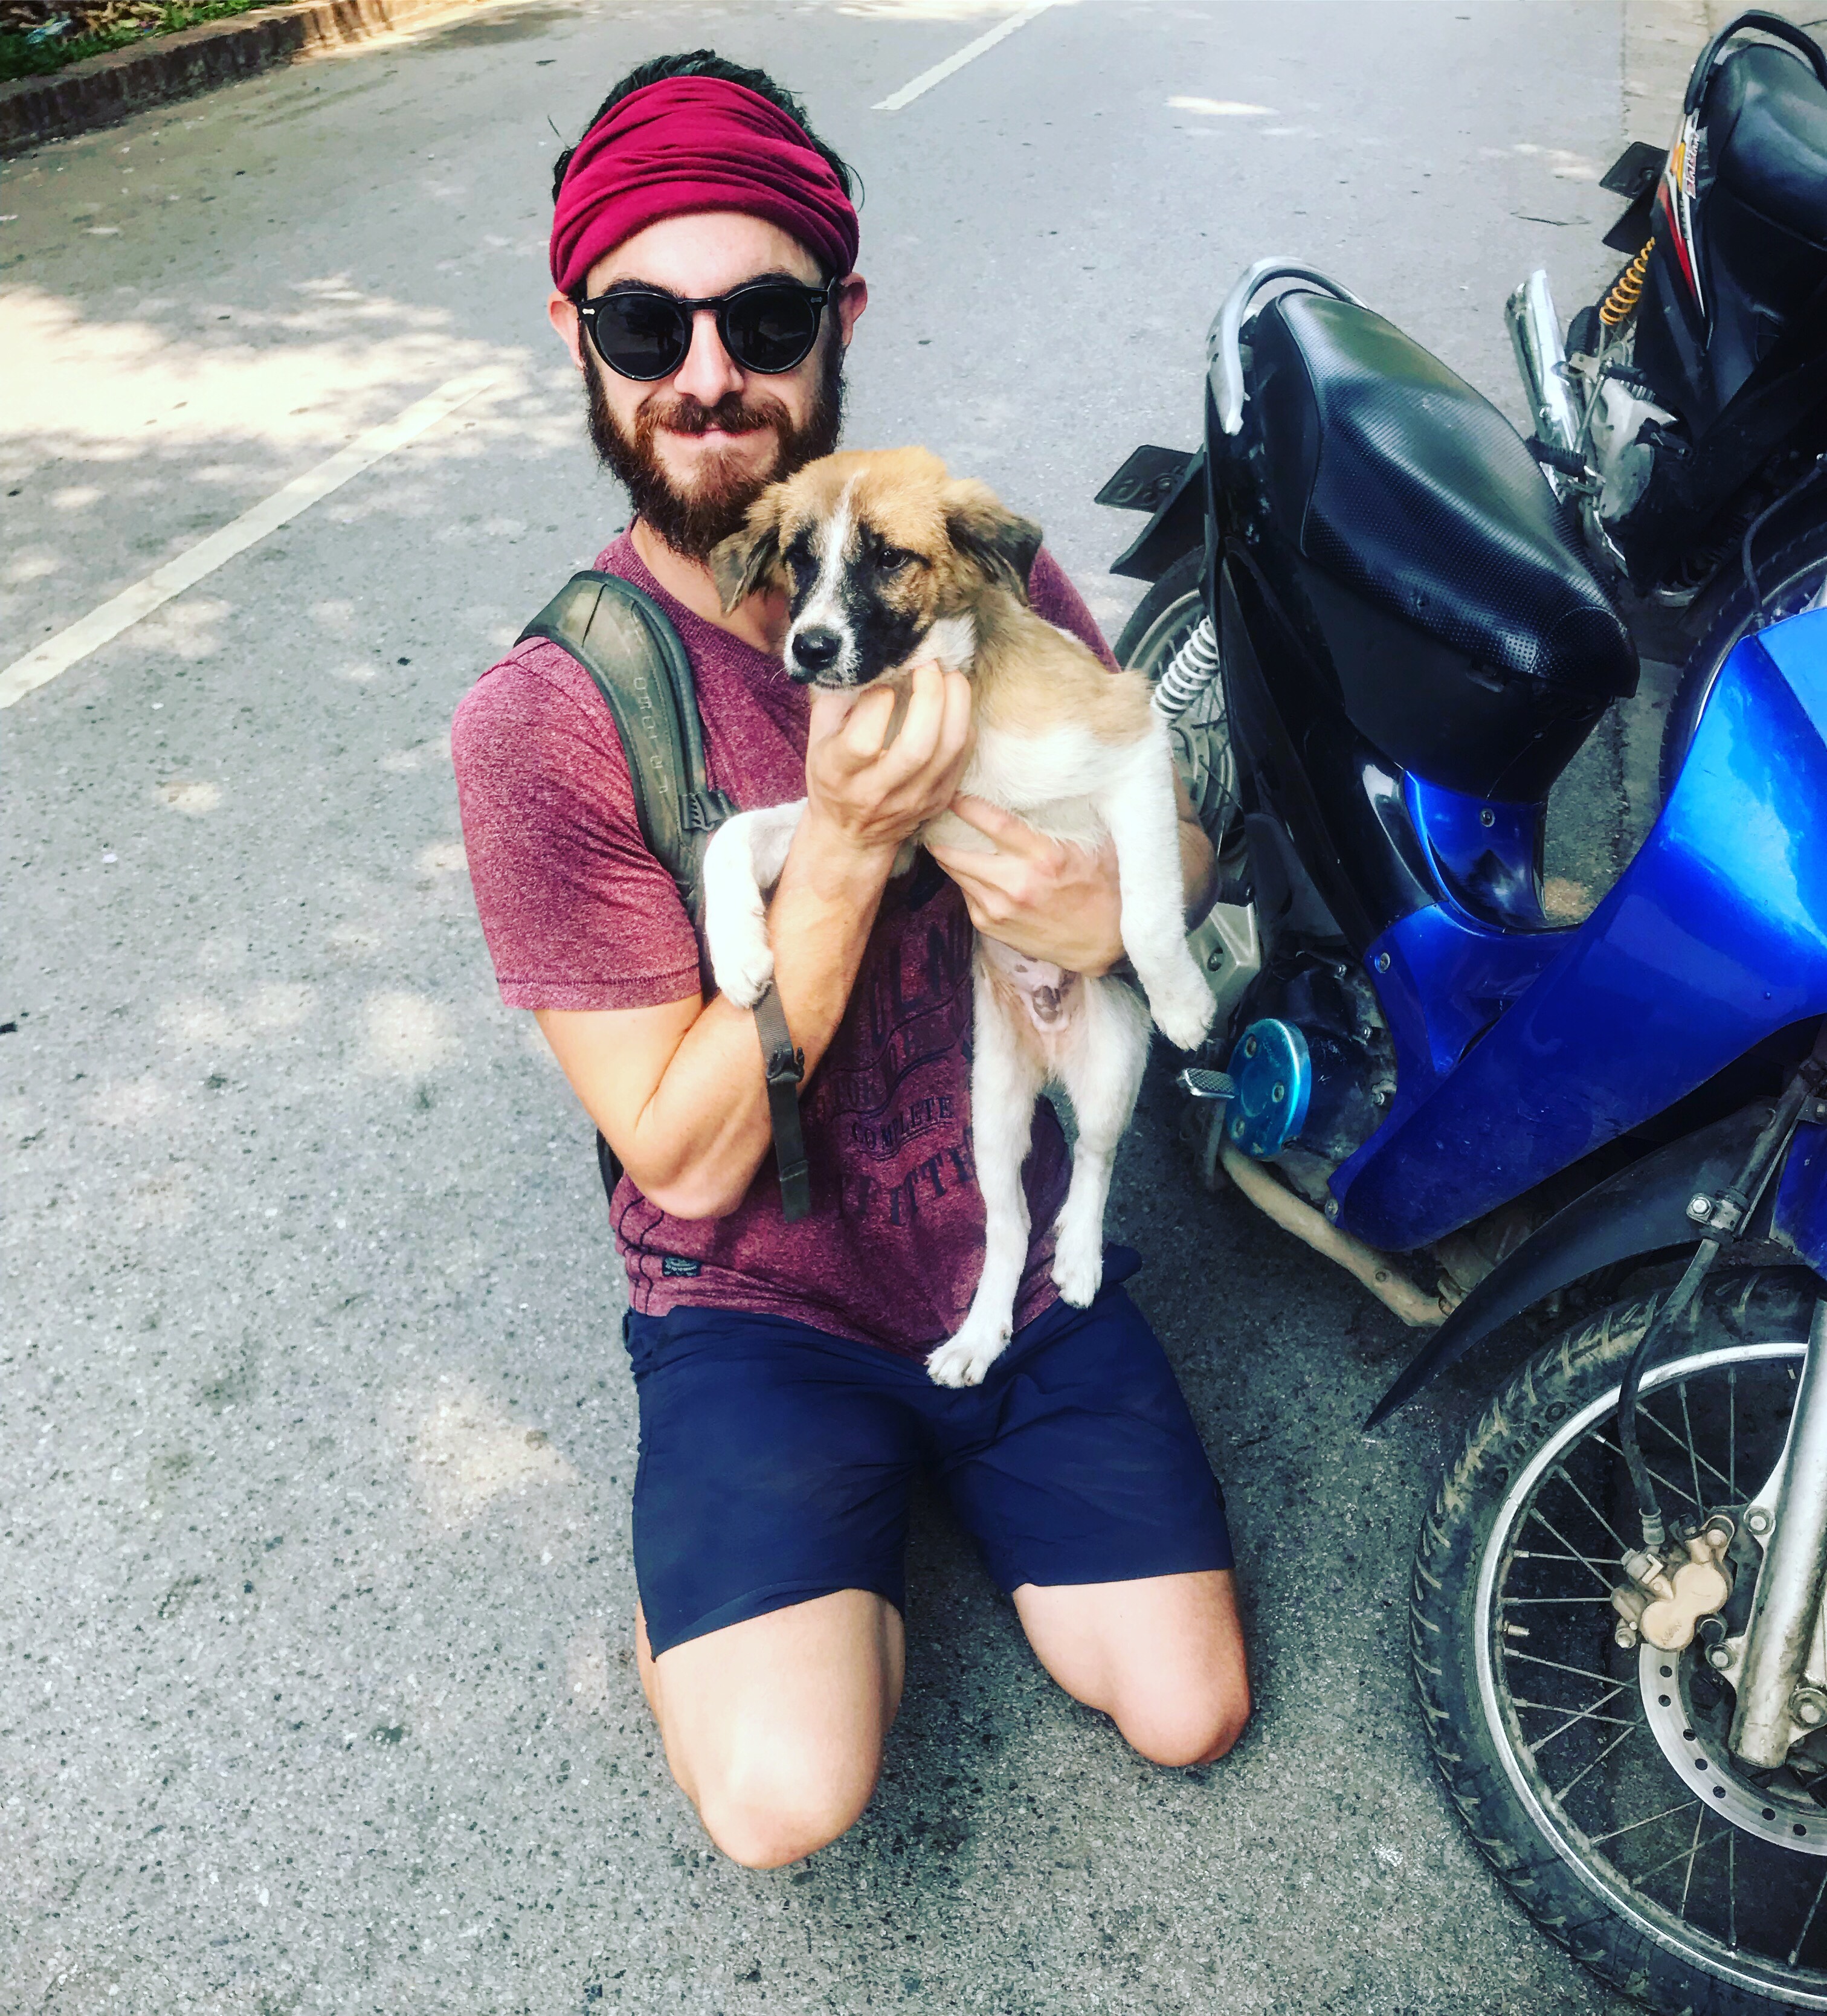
(1193, 1728)
(765, 1814)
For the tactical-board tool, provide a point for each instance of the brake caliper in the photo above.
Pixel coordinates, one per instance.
(1669, 1593)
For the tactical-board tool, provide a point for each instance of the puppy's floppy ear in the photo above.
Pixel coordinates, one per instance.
(1001, 545)
(743, 562)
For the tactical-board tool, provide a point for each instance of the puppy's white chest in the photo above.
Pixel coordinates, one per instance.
(1052, 779)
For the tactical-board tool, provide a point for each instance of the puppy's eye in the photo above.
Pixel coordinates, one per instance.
(891, 560)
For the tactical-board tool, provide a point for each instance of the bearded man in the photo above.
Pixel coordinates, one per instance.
(703, 252)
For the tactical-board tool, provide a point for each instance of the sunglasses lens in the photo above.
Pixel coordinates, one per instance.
(770, 329)
(641, 335)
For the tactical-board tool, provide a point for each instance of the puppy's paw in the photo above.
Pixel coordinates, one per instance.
(743, 961)
(1078, 1268)
(970, 1354)
(1183, 1007)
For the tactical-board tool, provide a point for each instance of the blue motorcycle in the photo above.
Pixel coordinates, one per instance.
(1379, 640)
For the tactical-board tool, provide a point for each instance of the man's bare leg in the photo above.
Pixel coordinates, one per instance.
(774, 1727)
(1163, 1656)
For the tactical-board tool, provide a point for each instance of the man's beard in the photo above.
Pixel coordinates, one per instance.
(692, 525)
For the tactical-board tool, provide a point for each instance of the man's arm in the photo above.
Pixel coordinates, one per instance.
(1056, 901)
(678, 1090)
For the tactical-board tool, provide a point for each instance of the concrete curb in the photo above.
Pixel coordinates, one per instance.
(103, 90)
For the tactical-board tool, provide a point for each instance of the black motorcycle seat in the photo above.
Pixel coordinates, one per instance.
(1400, 481)
(1766, 116)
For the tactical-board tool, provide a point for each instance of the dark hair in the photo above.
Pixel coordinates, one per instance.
(707, 63)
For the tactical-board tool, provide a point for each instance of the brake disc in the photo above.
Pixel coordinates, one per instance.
(1691, 1737)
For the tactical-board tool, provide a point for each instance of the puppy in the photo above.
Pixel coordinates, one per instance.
(885, 559)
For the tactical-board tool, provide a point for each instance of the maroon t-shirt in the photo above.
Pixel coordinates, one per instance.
(578, 914)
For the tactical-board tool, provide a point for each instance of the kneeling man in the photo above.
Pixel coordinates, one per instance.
(703, 252)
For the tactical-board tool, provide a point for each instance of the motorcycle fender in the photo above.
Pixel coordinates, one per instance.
(1641, 1211)
(1177, 527)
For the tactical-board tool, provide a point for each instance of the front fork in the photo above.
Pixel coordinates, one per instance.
(1776, 1669)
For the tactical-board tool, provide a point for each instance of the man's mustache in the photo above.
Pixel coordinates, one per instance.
(731, 415)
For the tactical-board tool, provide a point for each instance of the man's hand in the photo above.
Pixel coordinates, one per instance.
(1047, 897)
(869, 787)
(1054, 900)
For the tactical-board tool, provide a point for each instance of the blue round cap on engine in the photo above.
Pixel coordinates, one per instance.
(1274, 1079)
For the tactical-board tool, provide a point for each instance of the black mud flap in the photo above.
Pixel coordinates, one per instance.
(1169, 483)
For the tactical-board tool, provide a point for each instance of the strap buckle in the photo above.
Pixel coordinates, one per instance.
(784, 1064)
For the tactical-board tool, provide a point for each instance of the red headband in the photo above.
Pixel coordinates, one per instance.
(696, 143)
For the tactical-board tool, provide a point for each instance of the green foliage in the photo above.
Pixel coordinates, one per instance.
(19, 58)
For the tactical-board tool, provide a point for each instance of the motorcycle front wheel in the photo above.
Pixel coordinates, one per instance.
(1597, 1780)
(1792, 578)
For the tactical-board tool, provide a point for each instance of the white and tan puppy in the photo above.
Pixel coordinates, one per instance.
(884, 560)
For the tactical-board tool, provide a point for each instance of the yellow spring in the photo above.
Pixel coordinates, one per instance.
(1625, 289)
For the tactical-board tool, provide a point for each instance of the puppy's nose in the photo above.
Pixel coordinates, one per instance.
(815, 649)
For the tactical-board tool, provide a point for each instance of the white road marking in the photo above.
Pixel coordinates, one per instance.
(969, 53)
(1221, 108)
(57, 654)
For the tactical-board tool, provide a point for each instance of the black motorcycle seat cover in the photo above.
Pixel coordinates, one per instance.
(1401, 484)
(1766, 118)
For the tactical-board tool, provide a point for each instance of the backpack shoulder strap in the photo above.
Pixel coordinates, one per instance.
(622, 637)
(624, 640)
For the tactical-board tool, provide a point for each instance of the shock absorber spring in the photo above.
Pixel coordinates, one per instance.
(1192, 669)
(1625, 289)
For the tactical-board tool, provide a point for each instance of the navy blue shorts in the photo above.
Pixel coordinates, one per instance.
(776, 1459)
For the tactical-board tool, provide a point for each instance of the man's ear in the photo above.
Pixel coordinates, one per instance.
(561, 312)
(744, 561)
(982, 527)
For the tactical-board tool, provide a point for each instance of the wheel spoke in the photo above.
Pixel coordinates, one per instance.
(1699, 1461)
(1560, 1470)
(1693, 1458)
(1801, 1937)
(1599, 1759)
(1667, 1483)
(1656, 1868)
(1516, 1602)
(1574, 1716)
(1535, 1512)
(1598, 1840)
(1699, 1822)
(1584, 1673)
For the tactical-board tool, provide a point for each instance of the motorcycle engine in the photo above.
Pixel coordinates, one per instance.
(1625, 460)
(1349, 1054)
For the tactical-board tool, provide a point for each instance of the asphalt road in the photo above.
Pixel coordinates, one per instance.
(315, 1681)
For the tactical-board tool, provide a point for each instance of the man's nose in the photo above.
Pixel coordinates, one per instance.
(708, 373)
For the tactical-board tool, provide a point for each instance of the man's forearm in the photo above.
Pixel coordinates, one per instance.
(704, 1132)
(1198, 867)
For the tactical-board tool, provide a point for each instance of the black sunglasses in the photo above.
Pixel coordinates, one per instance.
(767, 325)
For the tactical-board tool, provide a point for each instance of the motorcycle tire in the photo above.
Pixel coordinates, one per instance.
(1789, 578)
(1160, 623)
(1177, 596)
(1507, 1640)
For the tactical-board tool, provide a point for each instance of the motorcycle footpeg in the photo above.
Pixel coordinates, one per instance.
(1206, 1084)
